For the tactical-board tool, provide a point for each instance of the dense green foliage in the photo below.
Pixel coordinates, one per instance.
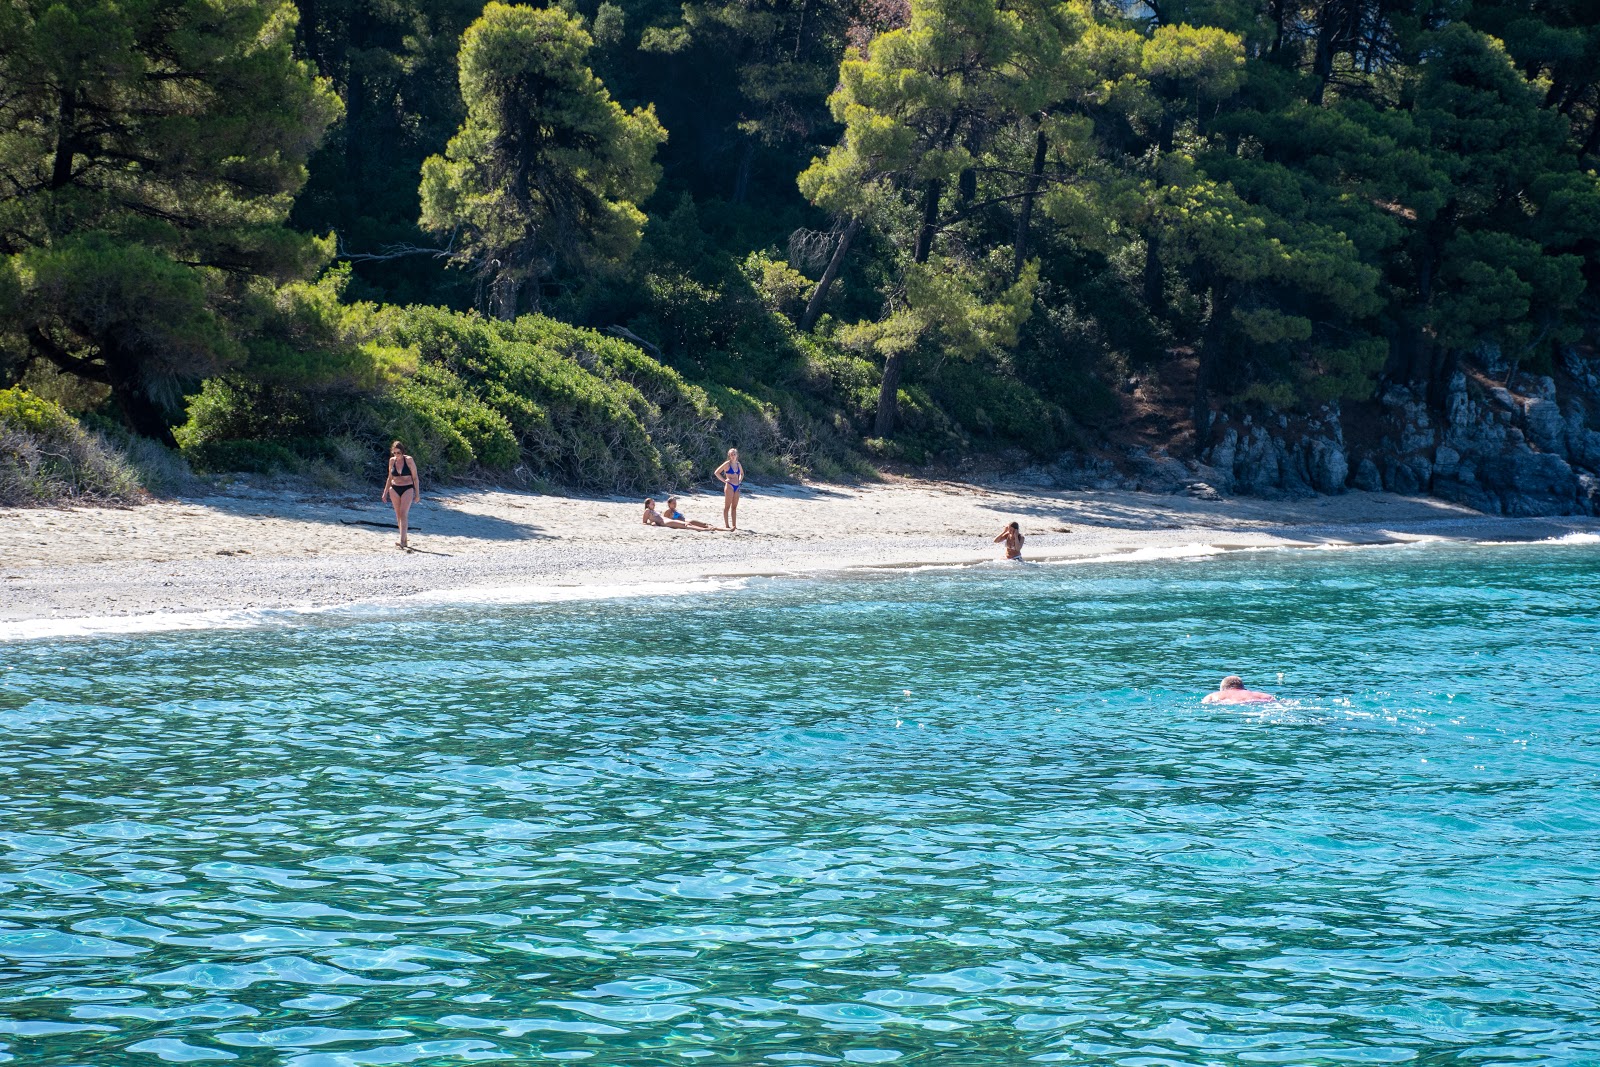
(149, 150)
(811, 229)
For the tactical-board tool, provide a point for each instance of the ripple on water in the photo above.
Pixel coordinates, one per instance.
(952, 817)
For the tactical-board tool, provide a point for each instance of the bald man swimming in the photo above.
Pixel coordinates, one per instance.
(1232, 691)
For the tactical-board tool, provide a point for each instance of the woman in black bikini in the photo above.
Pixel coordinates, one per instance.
(402, 488)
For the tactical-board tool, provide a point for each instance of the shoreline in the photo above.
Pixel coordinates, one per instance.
(216, 560)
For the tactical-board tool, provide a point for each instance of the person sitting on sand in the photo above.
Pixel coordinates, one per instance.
(1232, 691)
(1012, 536)
(674, 515)
(652, 517)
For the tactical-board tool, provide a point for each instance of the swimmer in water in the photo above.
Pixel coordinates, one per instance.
(1232, 691)
(1012, 536)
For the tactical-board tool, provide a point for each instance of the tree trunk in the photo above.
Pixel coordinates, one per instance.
(930, 219)
(1277, 11)
(142, 413)
(355, 94)
(1443, 368)
(1322, 60)
(1154, 281)
(1206, 365)
(889, 395)
(741, 179)
(504, 298)
(889, 391)
(835, 262)
(1591, 144)
(1025, 216)
(66, 138)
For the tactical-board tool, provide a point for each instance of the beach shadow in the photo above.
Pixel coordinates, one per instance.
(1296, 520)
(435, 516)
(799, 491)
(1093, 512)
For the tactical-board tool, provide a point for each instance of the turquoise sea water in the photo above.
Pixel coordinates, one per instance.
(946, 817)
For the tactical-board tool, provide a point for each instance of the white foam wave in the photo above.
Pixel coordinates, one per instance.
(1574, 538)
(1142, 555)
(256, 618)
(561, 594)
(149, 623)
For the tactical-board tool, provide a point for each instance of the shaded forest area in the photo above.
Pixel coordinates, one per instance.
(590, 244)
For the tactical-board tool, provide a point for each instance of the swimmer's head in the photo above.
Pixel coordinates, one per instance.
(649, 501)
(672, 501)
(1232, 681)
(733, 453)
(1014, 528)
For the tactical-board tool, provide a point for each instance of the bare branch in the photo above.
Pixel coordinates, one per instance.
(397, 251)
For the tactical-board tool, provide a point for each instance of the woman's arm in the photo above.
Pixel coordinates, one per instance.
(416, 480)
(720, 472)
(1002, 536)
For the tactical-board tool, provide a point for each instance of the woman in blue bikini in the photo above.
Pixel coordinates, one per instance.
(731, 475)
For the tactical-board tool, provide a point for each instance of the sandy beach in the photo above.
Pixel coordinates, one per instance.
(252, 548)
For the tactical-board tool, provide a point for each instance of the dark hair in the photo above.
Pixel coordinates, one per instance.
(1015, 527)
(396, 444)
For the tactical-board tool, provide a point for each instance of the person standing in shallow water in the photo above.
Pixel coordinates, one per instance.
(731, 475)
(401, 488)
(1012, 537)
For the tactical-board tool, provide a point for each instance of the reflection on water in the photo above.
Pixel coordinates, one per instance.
(943, 818)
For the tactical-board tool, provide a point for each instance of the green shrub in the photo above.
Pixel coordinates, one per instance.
(572, 405)
(247, 456)
(46, 457)
(993, 405)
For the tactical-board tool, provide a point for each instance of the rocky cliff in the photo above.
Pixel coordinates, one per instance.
(1504, 443)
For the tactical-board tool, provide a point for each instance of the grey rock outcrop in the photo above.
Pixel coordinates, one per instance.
(1527, 446)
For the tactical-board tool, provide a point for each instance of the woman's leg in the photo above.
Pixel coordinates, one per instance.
(734, 498)
(728, 497)
(402, 514)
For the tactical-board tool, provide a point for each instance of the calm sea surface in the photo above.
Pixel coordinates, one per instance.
(947, 817)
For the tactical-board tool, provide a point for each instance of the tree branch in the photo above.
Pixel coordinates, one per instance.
(628, 335)
(83, 368)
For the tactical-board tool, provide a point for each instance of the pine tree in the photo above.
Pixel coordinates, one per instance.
(148, 153)
(547, 171)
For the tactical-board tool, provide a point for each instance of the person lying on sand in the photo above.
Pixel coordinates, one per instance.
(1232, 691)
(1012, 536)
(652, 517)
(674, 515)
